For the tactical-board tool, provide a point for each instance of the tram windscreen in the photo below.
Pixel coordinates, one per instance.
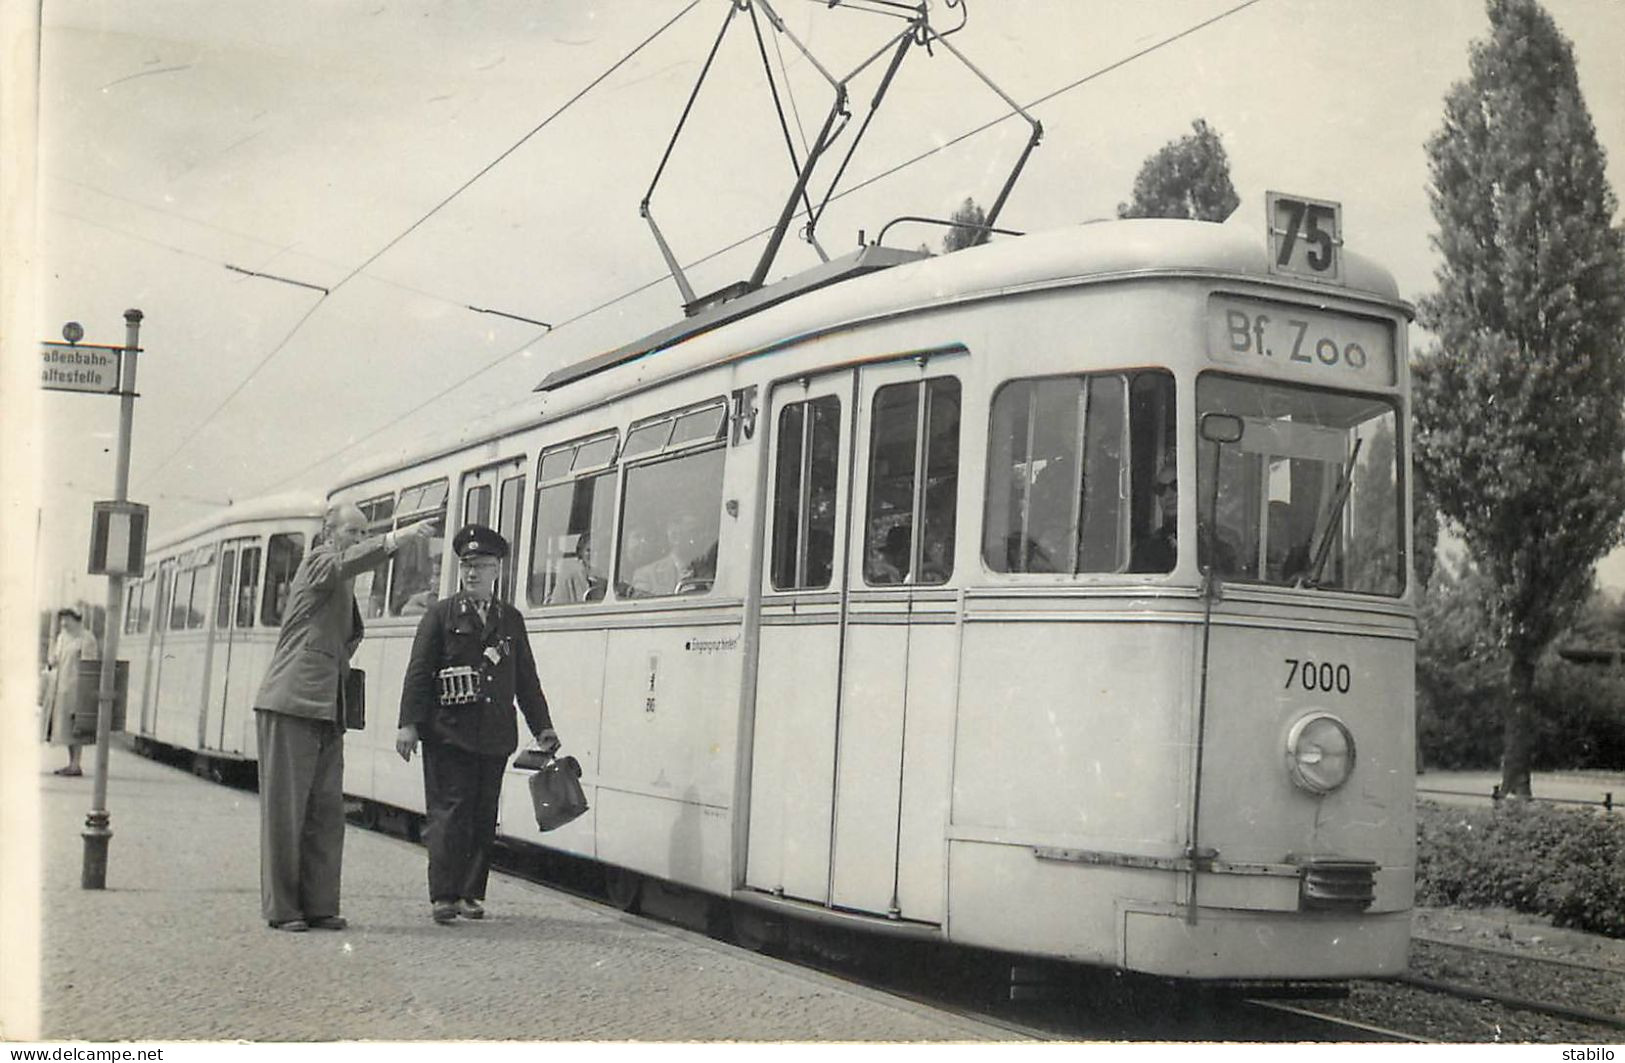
(1310, 495)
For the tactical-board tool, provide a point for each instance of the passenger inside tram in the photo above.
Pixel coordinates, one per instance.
(887, 560)
(575, 581)
(687, 567)
(1157, 550)
(419, 601)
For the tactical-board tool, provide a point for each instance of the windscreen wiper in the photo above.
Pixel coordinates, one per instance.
(1323, 548)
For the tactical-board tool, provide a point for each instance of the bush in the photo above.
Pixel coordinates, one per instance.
(1461, 689)
(1565, 863)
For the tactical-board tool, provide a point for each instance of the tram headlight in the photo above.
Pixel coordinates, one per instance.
(1319, 753)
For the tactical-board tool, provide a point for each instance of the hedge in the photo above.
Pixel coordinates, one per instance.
(1565, 863)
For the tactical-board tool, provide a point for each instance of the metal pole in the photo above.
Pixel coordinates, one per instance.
(98, 824)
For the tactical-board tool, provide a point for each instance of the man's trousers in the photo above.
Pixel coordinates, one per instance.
(460, 790)
(301, 764)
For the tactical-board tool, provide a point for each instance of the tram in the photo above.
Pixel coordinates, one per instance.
(200, 625)
(1051, 596)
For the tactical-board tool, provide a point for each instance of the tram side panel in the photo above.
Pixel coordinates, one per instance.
(570, 660)
(1073, 736)
(179, 693)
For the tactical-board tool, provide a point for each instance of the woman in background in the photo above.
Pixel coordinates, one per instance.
(73, 644)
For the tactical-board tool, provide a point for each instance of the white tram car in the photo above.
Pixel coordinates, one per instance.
(890, 616)
(201, 624)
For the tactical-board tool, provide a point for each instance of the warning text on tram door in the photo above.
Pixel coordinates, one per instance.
(1305, 236)
(83, 367)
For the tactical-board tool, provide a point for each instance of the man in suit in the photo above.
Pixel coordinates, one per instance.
(471, 663)
(300, 724)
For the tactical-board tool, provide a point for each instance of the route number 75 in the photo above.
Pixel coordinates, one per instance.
(1306, 236)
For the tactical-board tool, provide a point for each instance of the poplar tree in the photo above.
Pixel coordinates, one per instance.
(1519, 424)
(967, 231)
(1186, 178)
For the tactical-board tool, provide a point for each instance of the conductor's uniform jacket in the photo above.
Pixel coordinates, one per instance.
(466, 746)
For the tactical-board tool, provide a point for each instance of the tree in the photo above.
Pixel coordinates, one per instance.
(1187, 178)
(1518, 407)
(965, 232)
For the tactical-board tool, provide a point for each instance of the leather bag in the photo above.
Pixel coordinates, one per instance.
(354, 697)
(555, 792)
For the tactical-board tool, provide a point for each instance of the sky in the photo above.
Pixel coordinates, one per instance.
(418, 158)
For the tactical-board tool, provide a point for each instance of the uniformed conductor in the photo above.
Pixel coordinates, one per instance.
(300, 724)
(471, 662)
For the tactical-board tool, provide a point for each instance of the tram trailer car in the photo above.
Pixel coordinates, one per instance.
(201, 624)
(869, 598)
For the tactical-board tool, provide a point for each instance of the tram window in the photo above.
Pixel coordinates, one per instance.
(370, 584)
(164, 593)
(477, 505)
(282, 556)
(223, 590)
(804, 493)
(897, 463)
(197, 608)
(647, 439)
(181, 600)
(1311, 494)
(701, 424)
(595, 453)
(1071, 460)
(670, 520)
(132, 607)
(414, 570)
(509, 513)
(687, 427)
(247, 583)
(571, 540)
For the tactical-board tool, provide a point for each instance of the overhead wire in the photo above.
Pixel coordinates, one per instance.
(278, 348)
(1117, 65)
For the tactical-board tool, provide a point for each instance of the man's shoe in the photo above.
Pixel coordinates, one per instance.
(470, 908)
(445, 912)
(328, 922)
(295, 925)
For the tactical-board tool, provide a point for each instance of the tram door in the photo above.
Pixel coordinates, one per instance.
(163, 587)
(792, 786)
(494, 496)
(237, 558)
(849, 785)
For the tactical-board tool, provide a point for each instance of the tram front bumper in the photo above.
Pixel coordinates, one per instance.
(1265, 945)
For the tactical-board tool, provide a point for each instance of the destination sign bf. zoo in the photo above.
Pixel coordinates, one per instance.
(80, 367)
(1310, 344)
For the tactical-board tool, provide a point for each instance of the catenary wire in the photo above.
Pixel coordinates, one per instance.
(283, 343)
(460, 382)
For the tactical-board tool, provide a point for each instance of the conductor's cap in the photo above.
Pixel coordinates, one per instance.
(476, 540)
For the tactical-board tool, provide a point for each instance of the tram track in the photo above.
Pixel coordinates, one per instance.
(1039, 1001)
(1454, 991)
(1459, 992)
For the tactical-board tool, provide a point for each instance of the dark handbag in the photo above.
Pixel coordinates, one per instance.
(555, 791)
(354, 699)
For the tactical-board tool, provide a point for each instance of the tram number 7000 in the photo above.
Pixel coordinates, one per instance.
(1318, 676)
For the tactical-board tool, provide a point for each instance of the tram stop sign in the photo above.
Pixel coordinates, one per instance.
(118, 539)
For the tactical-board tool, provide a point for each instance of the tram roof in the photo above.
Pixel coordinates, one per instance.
(269, 507)
(878, 281)
(1092, 251)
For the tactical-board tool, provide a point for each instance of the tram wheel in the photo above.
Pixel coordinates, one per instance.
(623, 888)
